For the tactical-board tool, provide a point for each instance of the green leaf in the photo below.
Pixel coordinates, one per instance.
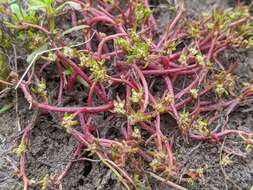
(37, 4)
(17, 10)
(142, 13)
(6, 108)
(49, 2)
(36, 54)
(76, 28)
(71, 4)
(123, 43)
(68, 72)
(4, 68)
(20, 13)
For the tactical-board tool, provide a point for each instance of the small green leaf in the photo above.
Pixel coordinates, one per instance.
(38, 4)
(71, 4)
(21, 149)
(225, 161)
(68, 72)
(73, 29)
(36, 54)
(142, 13)
(136, 96)
(119, 107)
(123, 43)
(17, 10)
(221, 90)
(69, 121)
(4, 68)
(194, 93)
(6, 108)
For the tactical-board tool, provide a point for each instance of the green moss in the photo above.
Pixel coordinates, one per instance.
(4, 68)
